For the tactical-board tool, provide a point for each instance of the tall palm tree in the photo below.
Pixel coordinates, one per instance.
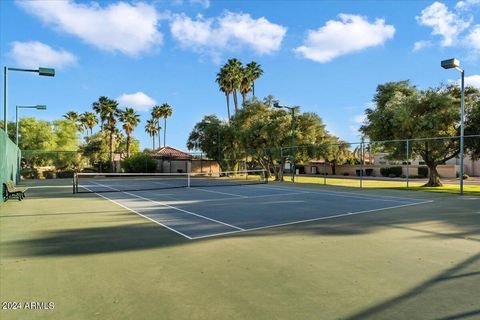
(109, 111)
(166, 111)
(100, 108)
(225, 86)
(156, 115)
(88, 120)
(233, 70)
(75, 118)
(129, 119)
(152, 129)
(255, 71)
(245, 85)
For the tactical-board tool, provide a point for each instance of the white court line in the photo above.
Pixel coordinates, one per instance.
(175, 208)
(344, 194)
(314, 219)
(185, 211)
(136, 212)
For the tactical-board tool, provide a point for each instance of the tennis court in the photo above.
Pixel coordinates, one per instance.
(200, 207)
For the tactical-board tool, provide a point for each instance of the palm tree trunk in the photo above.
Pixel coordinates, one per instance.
(153, 140)
(235, 100)
(111, 151)
(253, 89)
(164, 132)
(243, 98)
(159, 139)
(128, 145)
(228, 105)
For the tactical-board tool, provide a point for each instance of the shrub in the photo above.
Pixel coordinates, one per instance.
(423, 172)
(65, 174)
(138, 163)
(391, 172)
(345, 174)
(48, 174)
(368, 172)
(29, 173)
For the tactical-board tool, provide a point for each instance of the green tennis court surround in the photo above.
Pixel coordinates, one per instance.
(9, 155)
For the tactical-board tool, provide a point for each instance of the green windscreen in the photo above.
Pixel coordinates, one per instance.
(9, 155)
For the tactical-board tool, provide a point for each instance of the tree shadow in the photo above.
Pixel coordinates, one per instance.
(446, 296)
(99, 240)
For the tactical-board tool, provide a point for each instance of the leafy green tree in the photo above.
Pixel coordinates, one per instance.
(129, 119)
(166, 112)
(403, 112)
(216, 139)
(139, 163)
(97, 150)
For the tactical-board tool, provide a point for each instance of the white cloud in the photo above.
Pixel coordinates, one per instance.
(466, 4)
(473, 81)
(139, 101)
(360, 118)
(473, 38)
(34, 54)
(118, 27)
(420, 45)
(443, 22)
(229, 32)
(352, 33)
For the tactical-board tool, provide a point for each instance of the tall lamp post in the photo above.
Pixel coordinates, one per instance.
(292, 143)
(49, 72)
(455, 64)
(38, 107)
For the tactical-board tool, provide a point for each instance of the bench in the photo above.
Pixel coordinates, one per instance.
(11, 190)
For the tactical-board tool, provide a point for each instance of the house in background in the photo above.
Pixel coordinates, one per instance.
(171, 160)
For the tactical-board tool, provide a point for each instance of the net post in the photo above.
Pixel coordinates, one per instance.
(408, 163)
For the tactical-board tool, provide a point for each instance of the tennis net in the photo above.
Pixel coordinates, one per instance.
(120, 182)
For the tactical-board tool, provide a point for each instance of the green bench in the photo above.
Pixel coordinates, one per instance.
(11, 190)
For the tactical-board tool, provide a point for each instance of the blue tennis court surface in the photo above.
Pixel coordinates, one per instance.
(206, 212)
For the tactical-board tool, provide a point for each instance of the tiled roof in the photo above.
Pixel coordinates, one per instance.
(169, 152)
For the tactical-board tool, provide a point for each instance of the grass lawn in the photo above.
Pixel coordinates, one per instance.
(385, 184)
(96, 260)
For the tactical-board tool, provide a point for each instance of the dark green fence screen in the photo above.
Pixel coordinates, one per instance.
(9, 155)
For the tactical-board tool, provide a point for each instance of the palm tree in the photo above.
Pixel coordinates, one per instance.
(75, 118)
(156, 115)
(88, 120)
(255, 71)
(152, 129)
(166, 111)
(129, 119)
(233, 70)
(225, 86)
(245, 85)
(100, 108)
(109, 112)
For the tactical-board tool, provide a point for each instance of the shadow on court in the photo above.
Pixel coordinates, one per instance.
(451, 290)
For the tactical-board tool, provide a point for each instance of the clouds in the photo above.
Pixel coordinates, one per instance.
(351, 33)
(119, 27)
(473, 81)
(138, 101)
(443, 22)
(228, 32)
(34, 54)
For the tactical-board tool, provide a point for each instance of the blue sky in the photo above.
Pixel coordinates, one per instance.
(325, 56)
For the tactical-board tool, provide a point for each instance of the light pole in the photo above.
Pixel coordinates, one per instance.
(292, 143)
(455, 64)
(49, 72)
(38, 107)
